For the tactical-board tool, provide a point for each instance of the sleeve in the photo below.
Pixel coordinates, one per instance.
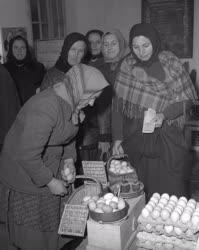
(117, 120)
(38, 127)
(70, 151)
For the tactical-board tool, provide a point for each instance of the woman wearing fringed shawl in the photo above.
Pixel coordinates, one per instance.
(152, 78)
(96, 129)
(39, 145)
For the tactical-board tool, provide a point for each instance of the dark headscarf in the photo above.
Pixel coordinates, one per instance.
(147, 30)
(89, 55)
(152, 66)
(12, 59)
(62, 62)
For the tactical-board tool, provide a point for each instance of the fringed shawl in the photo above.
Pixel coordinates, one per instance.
(139, 91)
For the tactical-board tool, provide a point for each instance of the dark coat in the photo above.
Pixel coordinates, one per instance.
(9, 102)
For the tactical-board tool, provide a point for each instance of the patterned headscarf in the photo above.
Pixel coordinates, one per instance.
(122, 45)
(62, 62)
(81, 83)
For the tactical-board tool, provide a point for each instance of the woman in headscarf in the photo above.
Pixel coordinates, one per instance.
(95, 46)
(95, 139)
(150, 78)
(73, 51)
(37, 148)
(26, 72)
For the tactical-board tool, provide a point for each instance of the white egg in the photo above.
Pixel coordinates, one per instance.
(169, 209)
(182, 203)
(170, 206)
(148, 227)
(174, 198)
(124, 164)
(168, 228)
(177, 230)
(108, 196)
(156, 195)
(180, 208)
(145, 213)
(195, 221)
(160, 205)
(149, 208)
(185, 217)
(155, 213)
(165, 214)
(192, 205)
(192, 201)
(183, 198)
(151, 203)
(164, 201)
(165, 195)
(115, 198)
(175, 216)
(154, 199)
(172, 203)
(188, 210)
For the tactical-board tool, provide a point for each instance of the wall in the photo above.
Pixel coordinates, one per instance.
(83, 15)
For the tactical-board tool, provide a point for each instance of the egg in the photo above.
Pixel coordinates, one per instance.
(124, 164)
(179, 208)
(151, 203)
(160, 205)
(154, 199)
(145, 213)
(177, 230)
(165, 195)
(183, 198)
(92, 205)
(108, 196)
(113, 204)
(107, 208)
(182, 203)
(188, 210)
(168, 228)
(192, 201)
(99, 210)
(175, 216)
(174, 198)
(155, 213)
(185, 217)
(115, 199)
(169, 206)
(195, 220)
(121, 204)
(148, 227)
(156, 195)
(108, 201)
(149, 208)
(165, 214)
(163, 200)
(172, 203)
(191, 205)
(86, 199)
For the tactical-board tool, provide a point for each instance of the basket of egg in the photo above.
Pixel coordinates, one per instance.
(119, 169)
(107, 208)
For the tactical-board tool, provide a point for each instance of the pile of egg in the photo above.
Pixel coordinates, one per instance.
(171, 208)
(120, 167)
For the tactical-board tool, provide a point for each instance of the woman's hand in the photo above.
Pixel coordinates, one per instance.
(159, 118)
(69, 171)
(104, 147)
(58, 187)
(117, 148)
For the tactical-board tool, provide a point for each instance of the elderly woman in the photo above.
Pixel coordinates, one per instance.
(37, 148)
(26, 72)
(94, 142)
(155, 79)
(95, 46)
(72, 53)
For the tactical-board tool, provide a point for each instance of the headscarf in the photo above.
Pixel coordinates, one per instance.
(80, 83)
(122, 46)
(147, 30)
(62, 62)
(89, 54)
(11, 59)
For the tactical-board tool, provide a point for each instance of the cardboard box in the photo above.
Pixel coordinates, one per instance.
(118, 235)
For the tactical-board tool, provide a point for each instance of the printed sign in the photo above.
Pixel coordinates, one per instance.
(95, 169)
(73, 221)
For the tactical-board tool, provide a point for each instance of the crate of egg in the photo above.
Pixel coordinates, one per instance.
(168, 222)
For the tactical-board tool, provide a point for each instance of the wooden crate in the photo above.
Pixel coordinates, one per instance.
(118, 235)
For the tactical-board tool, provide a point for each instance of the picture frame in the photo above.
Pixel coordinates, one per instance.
(174, 21)
(6, 34)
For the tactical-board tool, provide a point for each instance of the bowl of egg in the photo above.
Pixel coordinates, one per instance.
(107, 208)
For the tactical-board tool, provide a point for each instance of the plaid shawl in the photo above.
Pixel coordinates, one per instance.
(140, 91)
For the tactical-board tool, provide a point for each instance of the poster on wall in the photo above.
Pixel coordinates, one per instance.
(6, 35)
(174, 21)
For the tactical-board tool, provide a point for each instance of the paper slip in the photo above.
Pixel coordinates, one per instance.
(148, 125)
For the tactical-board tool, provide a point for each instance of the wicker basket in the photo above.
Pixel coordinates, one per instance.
(114, 178)
(79, 193)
